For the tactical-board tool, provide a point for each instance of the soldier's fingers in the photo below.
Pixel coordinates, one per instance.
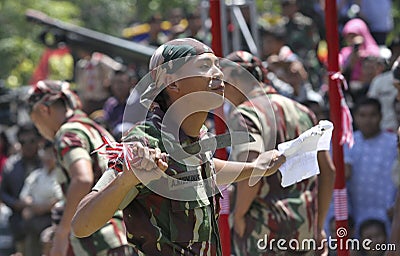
(157, 154)
(146, 158)
(140, 150)
(162, 162)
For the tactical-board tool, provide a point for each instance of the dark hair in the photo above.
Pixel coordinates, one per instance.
(368, 102)
(27, 128)
(372, 222)
(396, 69)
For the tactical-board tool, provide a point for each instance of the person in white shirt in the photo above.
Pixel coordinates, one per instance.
(40, 192)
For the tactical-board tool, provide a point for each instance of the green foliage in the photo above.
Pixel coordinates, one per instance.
(396, 16)
(106, 16)
(20, 48)
(145, 8)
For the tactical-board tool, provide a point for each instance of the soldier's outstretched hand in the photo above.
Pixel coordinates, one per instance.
(267, 163)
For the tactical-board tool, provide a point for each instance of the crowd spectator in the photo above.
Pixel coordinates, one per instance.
(16, 169)
(375, 231)
(302, 37)
(39, 193)
(196, 28)
(273, 40)
(177, 22)
(360, 44)
(294, 74)
(93, 74)
(369, 164)
(382, 89)
(122, 83)
(372, 66)
(152, 33)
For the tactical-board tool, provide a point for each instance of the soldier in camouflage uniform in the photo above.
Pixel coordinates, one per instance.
(55, 110)
(268, 210)
(302, 37)
(166, 221)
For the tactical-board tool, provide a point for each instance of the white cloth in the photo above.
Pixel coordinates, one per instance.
(301, 153)
(42, 187)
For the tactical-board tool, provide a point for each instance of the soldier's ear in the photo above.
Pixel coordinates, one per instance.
(42, 109)
(173, 87)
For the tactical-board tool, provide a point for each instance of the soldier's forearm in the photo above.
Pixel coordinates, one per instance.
(96, 208)
(325, 185)
(229, 171)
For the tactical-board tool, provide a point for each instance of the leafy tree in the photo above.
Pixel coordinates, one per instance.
(19, 45)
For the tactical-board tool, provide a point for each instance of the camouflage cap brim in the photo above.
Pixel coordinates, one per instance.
(49, 91)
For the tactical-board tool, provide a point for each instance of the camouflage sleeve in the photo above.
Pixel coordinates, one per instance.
(71, 146)
(109, 176)
(243, 121)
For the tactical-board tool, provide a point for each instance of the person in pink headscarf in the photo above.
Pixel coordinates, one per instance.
(360, 44)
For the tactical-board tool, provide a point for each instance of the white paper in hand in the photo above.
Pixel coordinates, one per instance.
(301, 153)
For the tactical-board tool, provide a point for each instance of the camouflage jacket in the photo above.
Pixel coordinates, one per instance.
(76, 139)
(159, 225)
(287, 213)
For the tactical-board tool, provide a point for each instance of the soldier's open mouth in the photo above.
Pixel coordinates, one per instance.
(216, 85)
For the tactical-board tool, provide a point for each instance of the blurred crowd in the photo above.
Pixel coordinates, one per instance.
(293, 51)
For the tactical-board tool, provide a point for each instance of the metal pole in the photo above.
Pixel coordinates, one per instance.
(244, 29)
(235, 32)
(216, 45)
(224, 30)
(340, 195)
(254, 25)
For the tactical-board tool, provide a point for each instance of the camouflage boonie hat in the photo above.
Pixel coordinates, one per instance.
(49, 91)
(167, 59)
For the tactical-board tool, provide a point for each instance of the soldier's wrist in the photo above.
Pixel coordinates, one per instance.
(130, 177)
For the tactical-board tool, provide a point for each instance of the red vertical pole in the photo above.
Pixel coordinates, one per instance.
(340, 195)
(216, 45)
